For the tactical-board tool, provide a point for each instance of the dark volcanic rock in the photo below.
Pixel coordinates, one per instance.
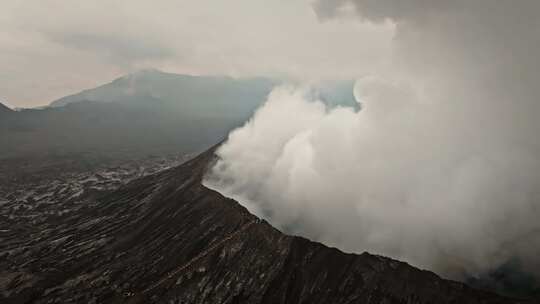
(166, 238)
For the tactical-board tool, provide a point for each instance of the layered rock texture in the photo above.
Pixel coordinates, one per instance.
(165, 238)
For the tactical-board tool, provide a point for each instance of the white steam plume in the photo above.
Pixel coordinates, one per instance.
(394, 179)
(440, 168)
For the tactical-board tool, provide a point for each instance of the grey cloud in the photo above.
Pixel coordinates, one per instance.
(406, 10)
(122, 50)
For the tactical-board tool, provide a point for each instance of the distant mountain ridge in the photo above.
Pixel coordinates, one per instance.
(157, 84)
(143, 113)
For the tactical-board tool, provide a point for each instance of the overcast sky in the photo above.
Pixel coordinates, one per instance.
(52, 48)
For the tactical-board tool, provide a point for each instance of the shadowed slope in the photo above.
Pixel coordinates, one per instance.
(166, 238)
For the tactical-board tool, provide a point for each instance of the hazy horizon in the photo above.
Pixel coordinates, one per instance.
(109, 80)
(55, 48)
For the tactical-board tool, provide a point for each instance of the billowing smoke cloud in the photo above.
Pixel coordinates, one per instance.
(440, 167)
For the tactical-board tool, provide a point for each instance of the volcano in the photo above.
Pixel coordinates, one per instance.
(165, 238)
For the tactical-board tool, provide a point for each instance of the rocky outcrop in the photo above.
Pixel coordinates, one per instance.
(166, 238)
